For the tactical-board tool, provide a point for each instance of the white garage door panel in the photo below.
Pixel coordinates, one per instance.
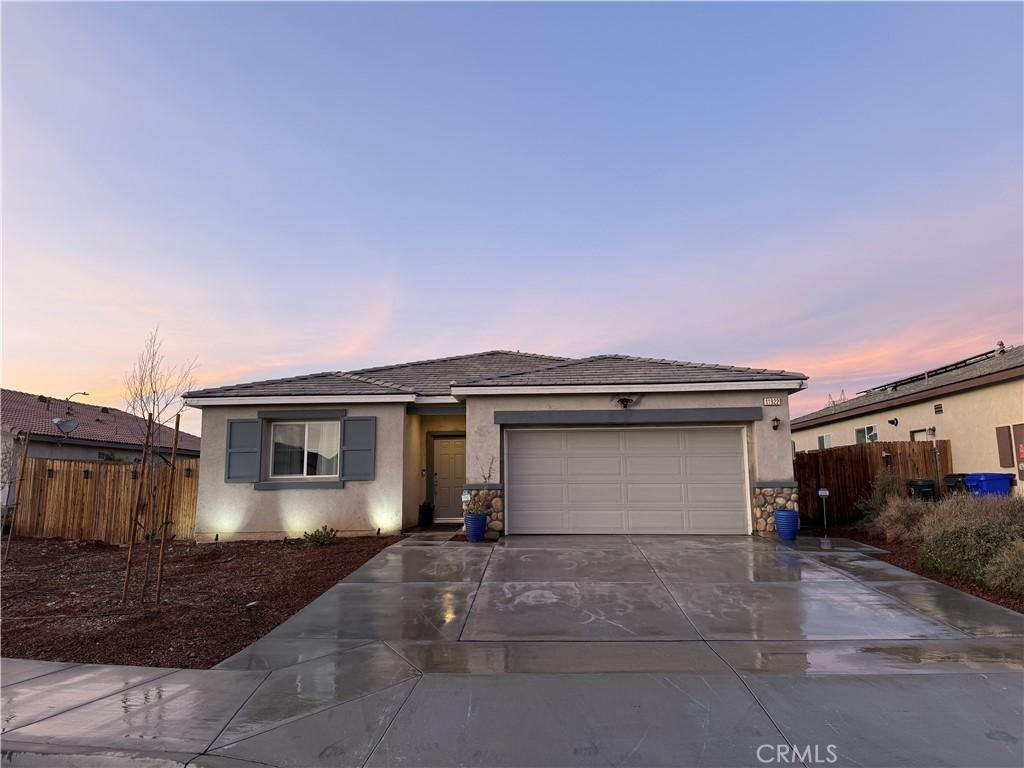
(622, 480)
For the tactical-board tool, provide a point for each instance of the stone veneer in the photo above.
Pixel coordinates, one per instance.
(768, 497)
(492, 496)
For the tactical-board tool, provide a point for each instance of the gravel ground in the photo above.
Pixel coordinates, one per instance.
(60, 599)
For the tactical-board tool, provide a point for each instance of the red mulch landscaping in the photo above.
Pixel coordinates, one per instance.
(61, 599)
(904, 556)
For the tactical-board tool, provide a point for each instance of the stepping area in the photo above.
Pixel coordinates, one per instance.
(565, 651)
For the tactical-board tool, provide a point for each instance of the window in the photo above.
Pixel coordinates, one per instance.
(866, 434)
(824, 441)
(919, 435)
(305, 449)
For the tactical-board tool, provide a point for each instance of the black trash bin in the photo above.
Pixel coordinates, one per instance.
(955, 483)
(922, 489)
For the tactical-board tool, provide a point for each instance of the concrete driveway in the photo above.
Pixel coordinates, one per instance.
(570, 650)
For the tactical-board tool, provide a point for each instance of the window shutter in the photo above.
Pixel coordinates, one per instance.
(358, 447)
(1004, 439)
(242, 458)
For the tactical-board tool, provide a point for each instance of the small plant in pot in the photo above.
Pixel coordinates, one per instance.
(476, 520)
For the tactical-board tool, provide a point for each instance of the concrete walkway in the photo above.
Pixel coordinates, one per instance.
(569, 650)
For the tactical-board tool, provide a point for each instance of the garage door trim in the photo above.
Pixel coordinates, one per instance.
(510, 501)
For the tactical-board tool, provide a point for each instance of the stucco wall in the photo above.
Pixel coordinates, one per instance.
(236, 510)
(769, 451)
(968, 420)
(416, 429)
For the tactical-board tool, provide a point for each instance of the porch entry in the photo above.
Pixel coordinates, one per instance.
(448, 454)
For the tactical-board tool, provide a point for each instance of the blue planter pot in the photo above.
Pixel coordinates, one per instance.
(787, 521)
(476, 527)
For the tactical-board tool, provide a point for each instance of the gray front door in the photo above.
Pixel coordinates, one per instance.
(631, 480)
(449, 478)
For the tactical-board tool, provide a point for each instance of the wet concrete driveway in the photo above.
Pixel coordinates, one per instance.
(569, 650)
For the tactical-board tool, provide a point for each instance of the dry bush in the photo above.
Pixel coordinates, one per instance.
(912, 521)
(885, 486)
(1005, 572)
(900, 519)
(962, 534)
(963, 512)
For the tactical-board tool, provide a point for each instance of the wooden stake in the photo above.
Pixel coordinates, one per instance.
(169, 509)
(135, 511)
(17, 494)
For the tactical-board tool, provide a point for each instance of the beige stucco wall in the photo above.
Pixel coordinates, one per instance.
(769, 451)
(415, 451)
(968, 420)
(236, 510)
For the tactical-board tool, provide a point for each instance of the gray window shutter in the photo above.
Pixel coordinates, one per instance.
(242, 458)
(358, 447)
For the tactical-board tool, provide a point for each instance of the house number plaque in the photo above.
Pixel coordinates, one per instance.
(773, 401)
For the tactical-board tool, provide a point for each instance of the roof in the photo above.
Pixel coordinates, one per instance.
(435, 377)
(331, 383)
(625, 370)
(1004, 362)
(494, 368)
(25, 412)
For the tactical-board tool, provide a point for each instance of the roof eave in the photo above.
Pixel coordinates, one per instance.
(790, 385)
(206, 402)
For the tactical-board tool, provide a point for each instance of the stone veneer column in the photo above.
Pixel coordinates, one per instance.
(766, 497)
(492, 496)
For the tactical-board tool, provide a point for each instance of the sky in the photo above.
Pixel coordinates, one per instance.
(835, 189)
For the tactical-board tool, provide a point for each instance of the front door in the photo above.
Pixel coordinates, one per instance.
(449, 477)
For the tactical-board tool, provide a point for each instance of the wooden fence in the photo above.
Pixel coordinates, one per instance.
(94, 500)
(847, 472)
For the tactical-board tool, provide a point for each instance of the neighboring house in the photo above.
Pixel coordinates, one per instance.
(606, 444)
(102, 433)
(976, 403)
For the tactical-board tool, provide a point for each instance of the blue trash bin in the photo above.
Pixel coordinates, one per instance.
(476, 527)
(989, 483)
(787, 521)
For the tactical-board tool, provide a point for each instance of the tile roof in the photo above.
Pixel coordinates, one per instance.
(434, 377)
(494, 368)
(958, 372)
(327, 383)
(626, 370)
(21, 411)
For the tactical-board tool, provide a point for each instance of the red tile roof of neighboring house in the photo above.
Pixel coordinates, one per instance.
(24, 412)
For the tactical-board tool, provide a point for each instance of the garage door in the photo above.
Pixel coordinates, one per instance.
(626, 480)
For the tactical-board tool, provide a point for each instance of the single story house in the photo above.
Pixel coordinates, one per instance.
(976, 403)
(605, 444)
(101, 433)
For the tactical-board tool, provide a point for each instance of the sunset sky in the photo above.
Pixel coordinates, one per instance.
(829, 188)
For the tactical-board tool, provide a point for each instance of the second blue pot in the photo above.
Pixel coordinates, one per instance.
(476, 526)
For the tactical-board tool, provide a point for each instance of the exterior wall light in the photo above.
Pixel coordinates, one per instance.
(775, 423)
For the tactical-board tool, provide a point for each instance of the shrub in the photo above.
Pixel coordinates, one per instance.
(900, 519)
(961, 511)
(910, 520)
(321, 536)
(885, 486)
(1005, 572)
(965, 553)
